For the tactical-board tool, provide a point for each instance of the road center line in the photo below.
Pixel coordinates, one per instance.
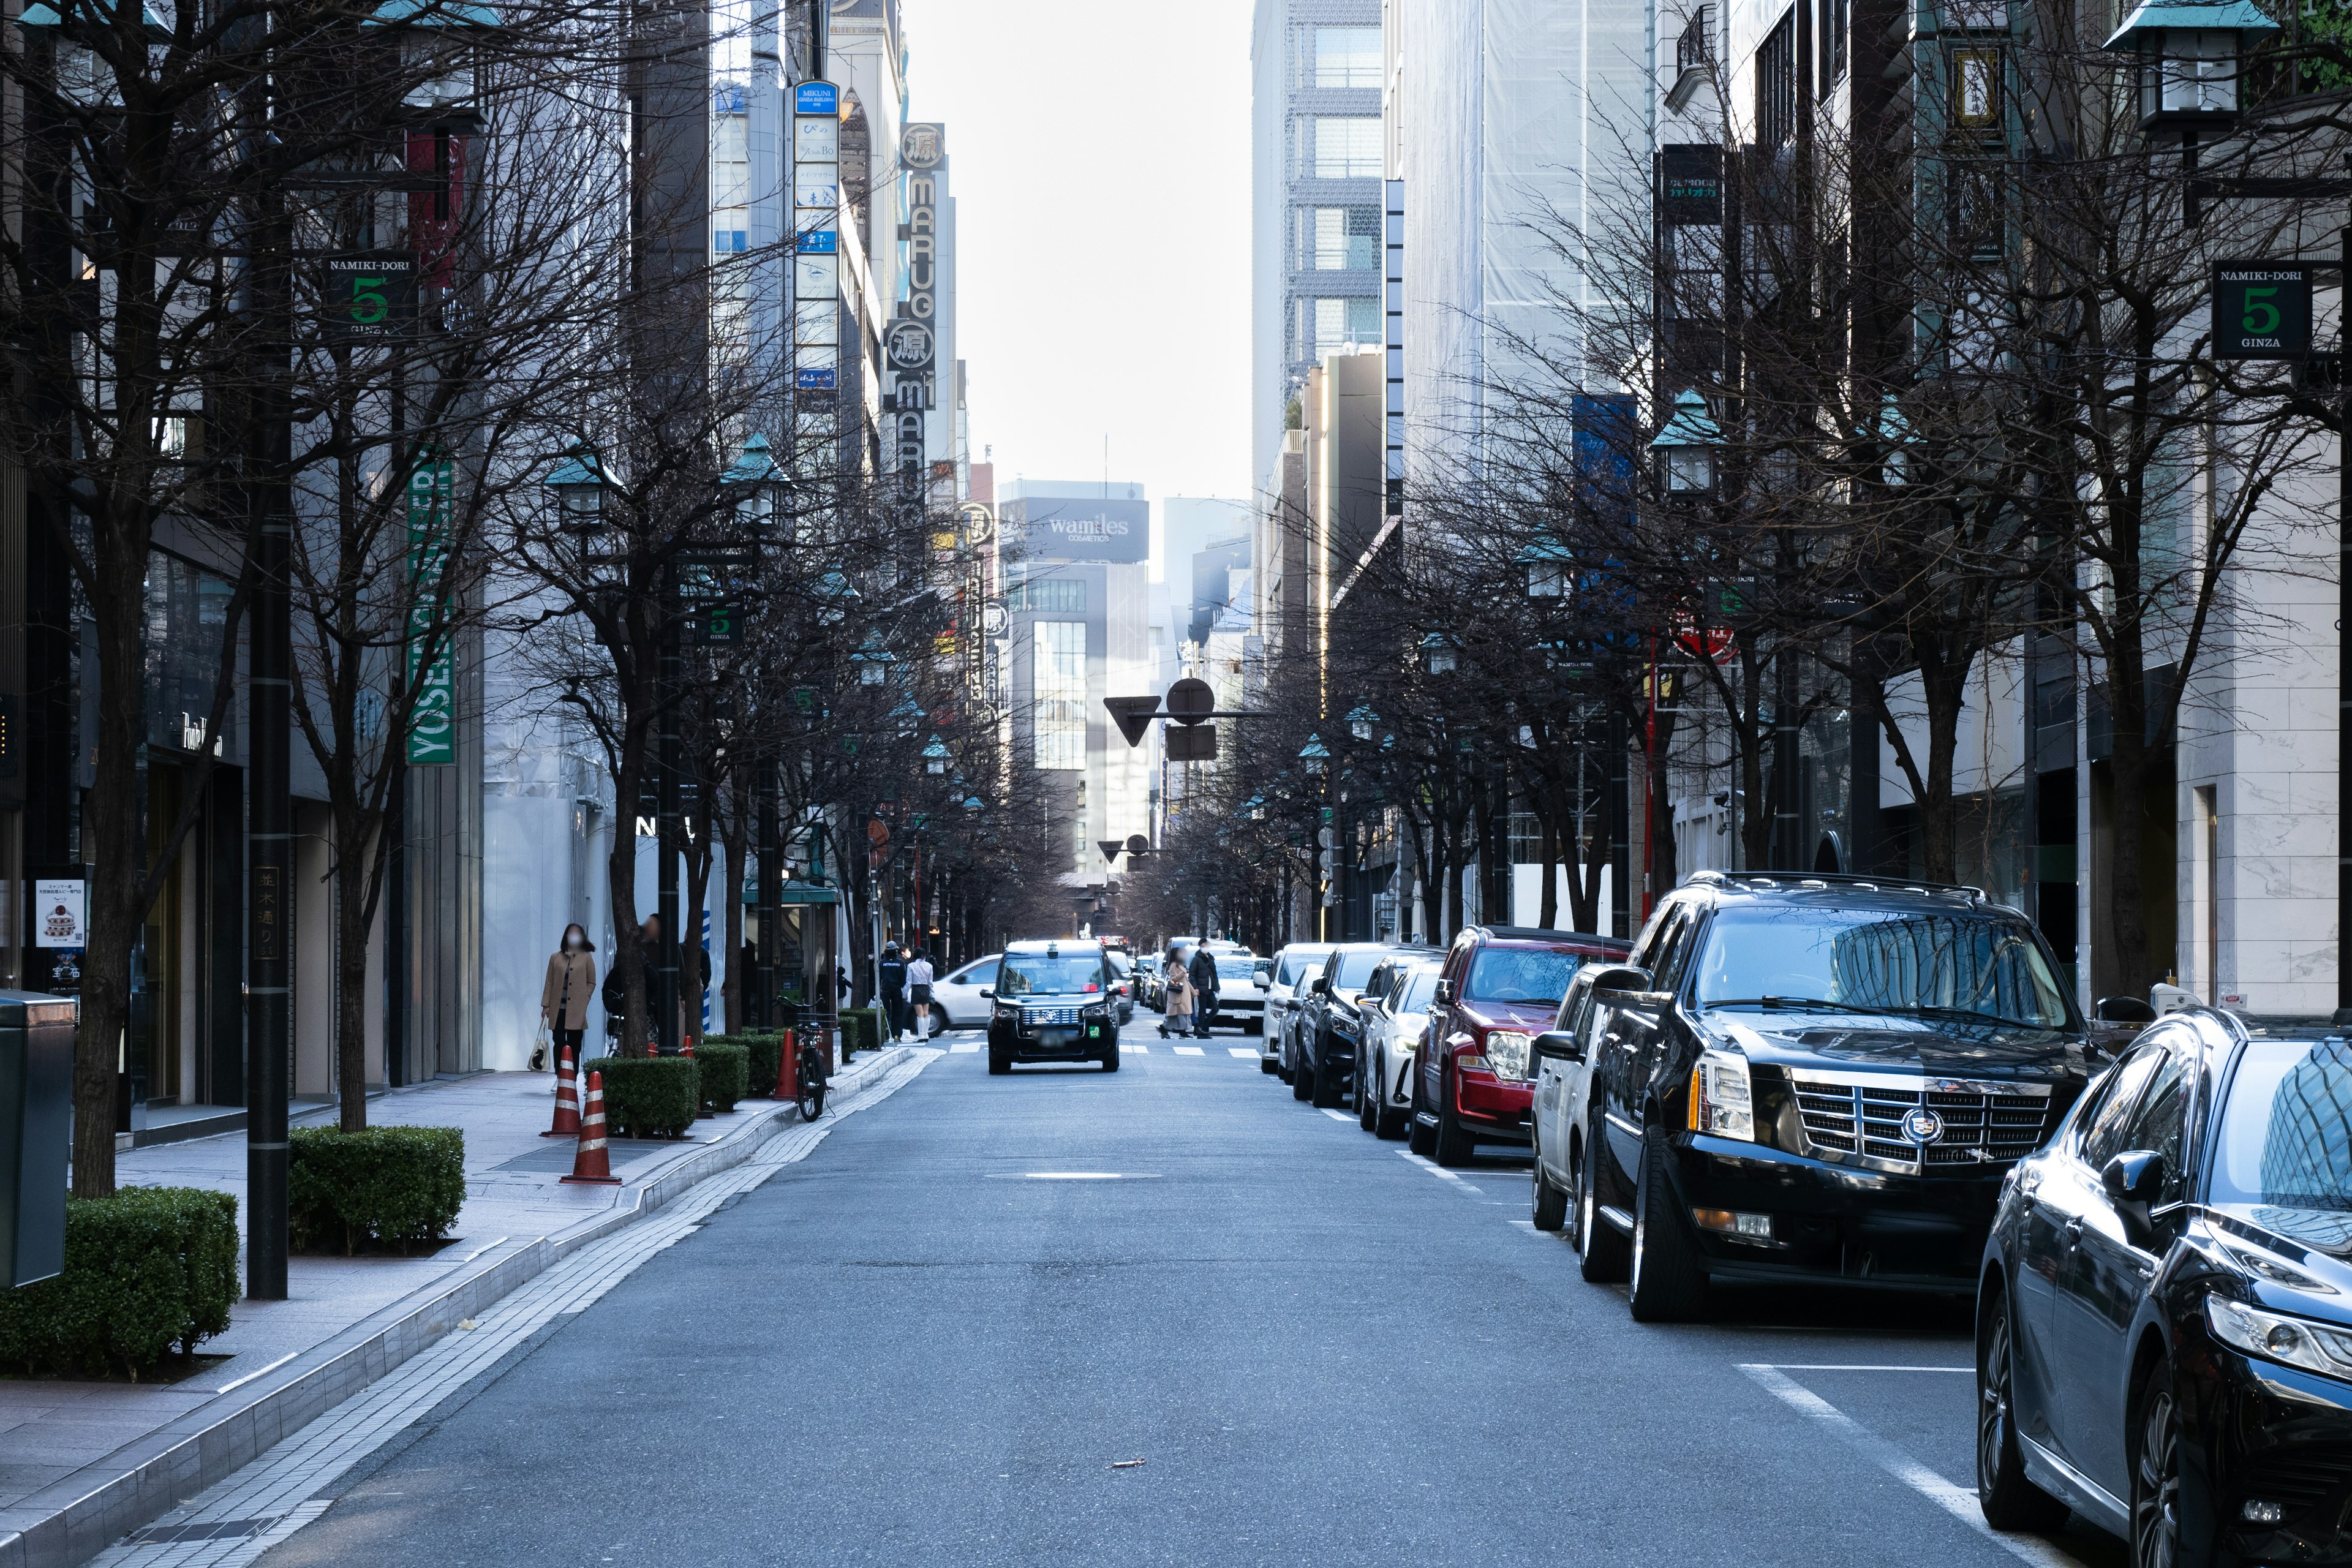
(1960, 1502)
(1849, 1366)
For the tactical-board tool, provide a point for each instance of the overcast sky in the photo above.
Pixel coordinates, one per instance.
(1101, 178)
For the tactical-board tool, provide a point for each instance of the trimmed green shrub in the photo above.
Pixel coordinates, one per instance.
(147, 1269)
(646, 1097)
(861, 1030)
(722, 1067)
(392, 1185)
(764, 1055)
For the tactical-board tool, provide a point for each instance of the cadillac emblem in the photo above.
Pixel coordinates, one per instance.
(1922, 1126)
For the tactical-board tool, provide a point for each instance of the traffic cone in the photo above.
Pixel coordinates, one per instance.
(593, 1164)
(788, 1064)
(567, 1097)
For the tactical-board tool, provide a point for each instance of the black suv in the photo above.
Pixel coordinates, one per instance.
(1817, 1079)
(1053, 1001)
(1330, 1026)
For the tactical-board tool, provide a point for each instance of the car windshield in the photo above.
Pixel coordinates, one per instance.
(1296, 963)
(1036, 973)
(1882, 960)
(2286, 1137)
(1236, 965)
(1120, 961)
(1419, 987)
(1522, 974)
(977, 972)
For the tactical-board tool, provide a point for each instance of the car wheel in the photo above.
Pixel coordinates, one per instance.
(999, 1063)
(1367, 1100)
(1266, 1064)
(1388, 1121)
(1603, 1253)
(1302, 1080)
(1547, 1203)
(2009, 1500)
(1326, 1083)
(1669, 1280)
(1419, 1135)
(2156, 1474)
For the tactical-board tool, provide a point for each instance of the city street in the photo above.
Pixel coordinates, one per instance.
(939, 1337)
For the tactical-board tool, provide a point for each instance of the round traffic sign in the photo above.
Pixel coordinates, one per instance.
(1190, 701)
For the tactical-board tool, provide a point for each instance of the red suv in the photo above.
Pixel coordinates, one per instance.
(1500, 988)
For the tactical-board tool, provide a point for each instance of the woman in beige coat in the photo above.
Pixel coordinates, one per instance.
(563, 999)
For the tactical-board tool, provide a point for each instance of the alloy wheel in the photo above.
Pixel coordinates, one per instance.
(1993, 1400)
(2155, 1483)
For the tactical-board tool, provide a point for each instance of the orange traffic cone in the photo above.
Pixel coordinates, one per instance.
(788, 1067)
(567, 1097)
(593, 1164)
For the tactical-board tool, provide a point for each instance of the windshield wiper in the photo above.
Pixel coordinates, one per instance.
(1793, 1004)
(1924, 1009)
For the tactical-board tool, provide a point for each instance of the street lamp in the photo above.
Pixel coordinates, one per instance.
(1315, 755)
(873, 661)
(2189, 58)
(758, 485)
(935, 758)
(578, 482)
(1361, 720)
(1438, 654)
(1686, 448)
(1546, 562)
(441, 58)
(835, 594)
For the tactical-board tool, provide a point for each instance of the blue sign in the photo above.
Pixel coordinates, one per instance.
(814, 378)
(819, 242)
(816, 98)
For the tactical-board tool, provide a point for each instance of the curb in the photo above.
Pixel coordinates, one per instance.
(150, 1476)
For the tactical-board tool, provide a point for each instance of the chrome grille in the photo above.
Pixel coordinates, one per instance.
(1984, 1123)
(1048, 1018)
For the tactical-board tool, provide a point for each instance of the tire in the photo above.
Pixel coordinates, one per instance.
(1110, 1059)
(2009, 1499)
(1603, 1253)
(1547, 1204)
(1326, 1094)
(1368, 1098)
(999, 1063)
(812, 1101)
(1669, 1278)
(1388, 1121)
(1453, 1143)
(1268, 1065)
(1302, 1080)
(2156, 1474)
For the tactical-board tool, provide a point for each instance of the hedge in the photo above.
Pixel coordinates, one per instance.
(763, 1054)
(146, 1270)
(723, 1067)
(647, 1097)
(392, 1185)
(861, 1030)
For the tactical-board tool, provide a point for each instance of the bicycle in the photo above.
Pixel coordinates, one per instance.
(810, 1078)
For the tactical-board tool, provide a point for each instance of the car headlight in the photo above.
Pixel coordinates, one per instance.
(1409, 1040)
(1720, 1099)
(2297, 1341)
(1506, 1052)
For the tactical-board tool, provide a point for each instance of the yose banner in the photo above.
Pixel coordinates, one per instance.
(432, 729)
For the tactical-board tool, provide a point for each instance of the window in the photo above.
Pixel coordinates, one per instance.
(1776, 85)
(1297, 961)
(1051, 975)
(2286, 1138)
(1831, 25)
(1344, 147)
(1347, 57)
(1058, 681)
(1339, 239)
(1350, 970)
(1327, 324)
(2105, 1138)
(1054, 596)
(1521, 975)
(2162, 1120)
(1886, 961)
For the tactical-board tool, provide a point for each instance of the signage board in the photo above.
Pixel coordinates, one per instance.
(816, 98)
(61, 912)
(912, 342)
(1690, 185)
(432, 727)
(1063, 528)
(367, 295)
(2262, 310)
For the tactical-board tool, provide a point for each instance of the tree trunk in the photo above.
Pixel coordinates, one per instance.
(738, 830)
(351, 846)
(114, 855)
(1547, 856)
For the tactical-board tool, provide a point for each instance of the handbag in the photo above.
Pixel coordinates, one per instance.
(540, 1046)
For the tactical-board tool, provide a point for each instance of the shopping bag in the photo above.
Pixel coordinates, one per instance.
(540, 1046)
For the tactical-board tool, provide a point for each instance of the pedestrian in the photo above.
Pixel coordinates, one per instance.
(616, 993)
(1203, 972)
(1176, 1005)
(919, 975)
(563, 998)
(891, 976)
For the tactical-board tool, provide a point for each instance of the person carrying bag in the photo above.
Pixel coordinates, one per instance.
(1177, 1007)
(563, 1000)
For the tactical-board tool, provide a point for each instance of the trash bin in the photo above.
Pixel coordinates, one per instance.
(37, 1046)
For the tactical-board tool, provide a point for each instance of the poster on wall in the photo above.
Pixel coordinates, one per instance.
(57, 912)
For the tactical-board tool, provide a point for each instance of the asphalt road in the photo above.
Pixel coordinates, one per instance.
(933, 1342)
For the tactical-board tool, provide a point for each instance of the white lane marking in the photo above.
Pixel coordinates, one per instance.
(1075, 1175)
(1127, 1050)
(1960, 1502)
(265, 1371)
(1190, 1051)
(1433, 1169)
(1848, 1366)
(1241, 1051)
(963, 1048)
(1340, 1116)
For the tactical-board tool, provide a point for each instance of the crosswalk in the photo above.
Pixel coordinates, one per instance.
(1128, 1048)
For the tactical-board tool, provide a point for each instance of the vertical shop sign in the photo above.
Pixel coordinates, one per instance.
(432, 729)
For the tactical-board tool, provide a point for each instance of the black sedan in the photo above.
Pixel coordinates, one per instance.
(2164, 1325)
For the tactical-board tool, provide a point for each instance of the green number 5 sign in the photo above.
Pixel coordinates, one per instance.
(365, 295)
(2262, 310)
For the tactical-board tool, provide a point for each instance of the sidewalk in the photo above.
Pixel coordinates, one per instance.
(81, 1464)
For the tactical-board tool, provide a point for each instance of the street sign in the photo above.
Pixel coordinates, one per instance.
(2262, 310)
(1194, 744)
(367, 295)
(1133, 715)
(432, 731)
(1136, 844)
(1109, 846)
(1190, 701)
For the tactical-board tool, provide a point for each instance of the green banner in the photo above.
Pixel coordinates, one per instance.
(431, 726)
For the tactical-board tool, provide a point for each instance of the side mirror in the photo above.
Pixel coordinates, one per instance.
(1444, 993)
(2122, 1010)
(1322, 987)
(988, 992)
(1560, 1045)
(2134, 1179)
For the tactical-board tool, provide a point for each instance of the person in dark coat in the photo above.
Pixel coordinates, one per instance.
(893, 1000)
(1204, 972)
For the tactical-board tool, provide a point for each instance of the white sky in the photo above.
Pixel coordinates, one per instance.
(1101, 151)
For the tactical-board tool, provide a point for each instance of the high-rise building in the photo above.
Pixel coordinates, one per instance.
(1316, 224)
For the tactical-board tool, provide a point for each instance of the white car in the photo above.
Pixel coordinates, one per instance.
(1562, 1116)
(1393, 1029)
(1293, 967)
(956, 997)
(1240, 990)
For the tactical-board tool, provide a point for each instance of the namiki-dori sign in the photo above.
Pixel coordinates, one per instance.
(432, 727)
(2262, 310)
